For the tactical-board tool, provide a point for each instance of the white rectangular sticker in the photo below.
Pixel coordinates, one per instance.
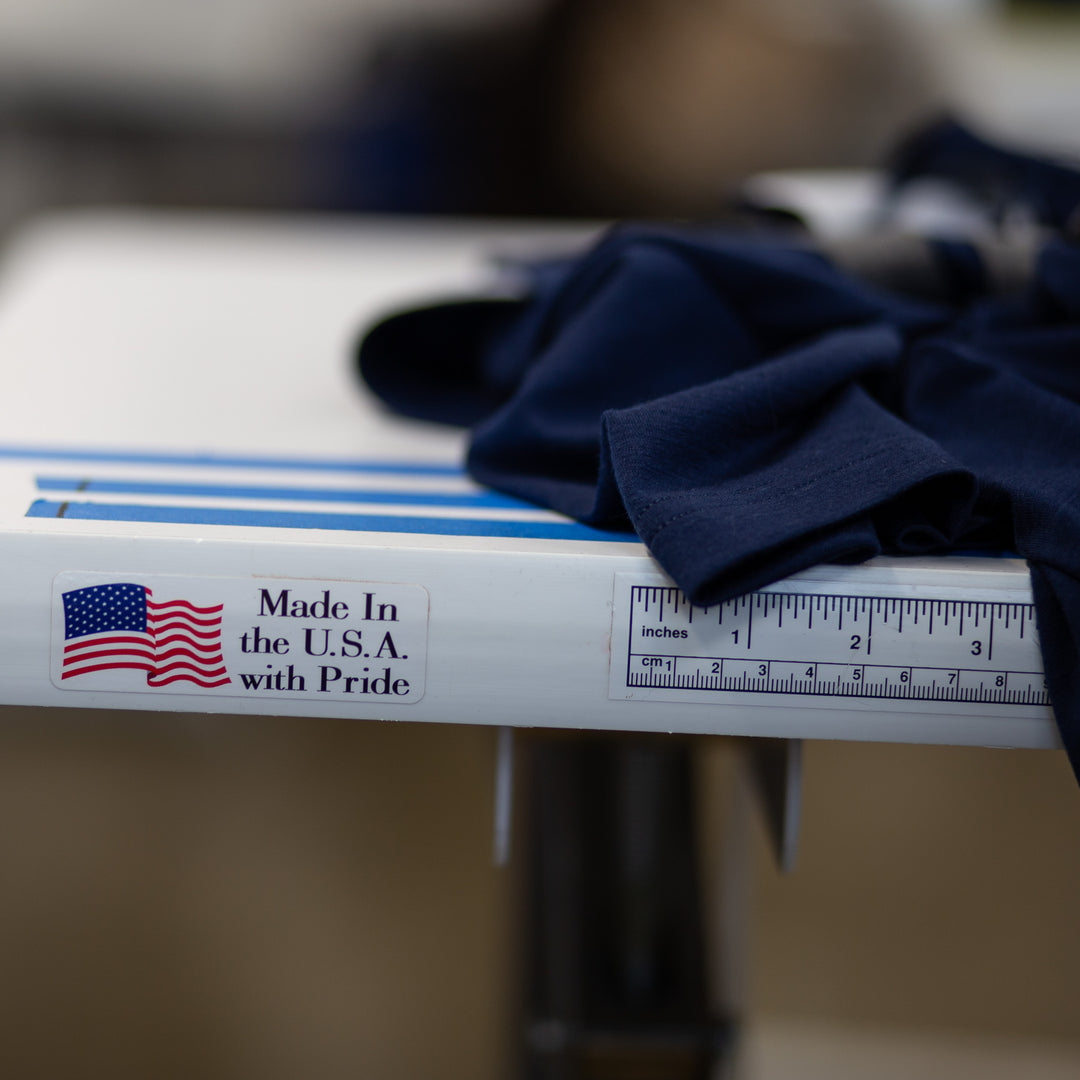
(805, 643)
(358, 641)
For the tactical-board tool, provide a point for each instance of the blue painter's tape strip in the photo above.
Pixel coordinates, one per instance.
(126, 457)
(288, 519)
(483, 499)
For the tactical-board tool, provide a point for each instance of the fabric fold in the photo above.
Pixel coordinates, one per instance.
(751, 409)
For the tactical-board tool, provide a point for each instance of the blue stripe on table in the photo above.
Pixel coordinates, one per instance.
(92, 485)
(228, 461)
(295, 519)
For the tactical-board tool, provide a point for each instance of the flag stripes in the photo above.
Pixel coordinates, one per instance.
(120, 626)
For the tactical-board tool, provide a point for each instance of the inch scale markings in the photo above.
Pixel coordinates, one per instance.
(811, 641)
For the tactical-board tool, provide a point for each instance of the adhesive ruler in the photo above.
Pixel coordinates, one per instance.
(881, 645)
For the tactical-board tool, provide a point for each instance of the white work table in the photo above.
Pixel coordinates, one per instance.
(181, 412)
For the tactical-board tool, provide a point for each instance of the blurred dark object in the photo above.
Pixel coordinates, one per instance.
(447, 122)
(569, 108)
(613, 108)
(96, 151)
(61, 154)
(616, 973)
(1009, 185)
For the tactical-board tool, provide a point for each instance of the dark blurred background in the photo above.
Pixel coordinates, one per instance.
(521, 107)
(231, 898)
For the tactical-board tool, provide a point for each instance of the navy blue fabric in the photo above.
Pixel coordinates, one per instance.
(750, 410)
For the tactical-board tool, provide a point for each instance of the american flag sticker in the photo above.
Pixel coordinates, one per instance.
(315, 640)
(121, 626)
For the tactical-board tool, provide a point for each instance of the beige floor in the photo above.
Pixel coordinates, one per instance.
(937, 887)
(782, 1050)
(232, 898)
(930, 928)
(236, 899)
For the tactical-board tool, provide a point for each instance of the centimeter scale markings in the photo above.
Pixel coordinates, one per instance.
(835, 645)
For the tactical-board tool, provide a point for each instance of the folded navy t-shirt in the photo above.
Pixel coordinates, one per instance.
(751, 409)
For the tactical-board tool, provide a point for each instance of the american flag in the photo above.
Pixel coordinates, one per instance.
(119, 625)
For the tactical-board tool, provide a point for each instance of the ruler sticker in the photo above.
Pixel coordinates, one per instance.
(318, 640)
(828, 644)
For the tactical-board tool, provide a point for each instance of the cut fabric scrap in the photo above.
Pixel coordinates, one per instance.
(752, 407)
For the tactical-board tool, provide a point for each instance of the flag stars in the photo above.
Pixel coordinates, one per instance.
(98, 608)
